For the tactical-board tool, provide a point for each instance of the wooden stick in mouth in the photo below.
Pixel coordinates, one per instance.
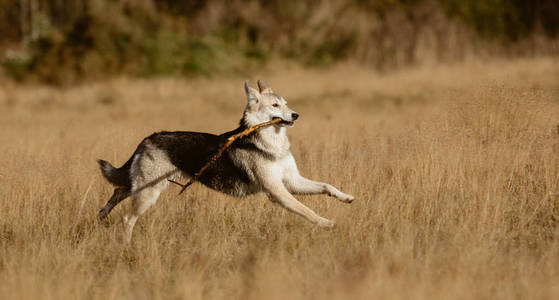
(229, 142)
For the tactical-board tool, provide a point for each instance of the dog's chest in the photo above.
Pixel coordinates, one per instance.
(273, 142)
(282, 168)
(236, 173)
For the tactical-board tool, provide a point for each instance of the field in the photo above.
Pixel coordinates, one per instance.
(455, 169)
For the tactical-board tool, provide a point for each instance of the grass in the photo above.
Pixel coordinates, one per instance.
(455, 170)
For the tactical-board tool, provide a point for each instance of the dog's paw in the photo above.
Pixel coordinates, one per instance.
(325, 223)
(347, 198)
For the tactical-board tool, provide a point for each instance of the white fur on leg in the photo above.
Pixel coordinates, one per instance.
(140, 204)
(128, 221)
(288, 202)
(297, 184)
(280, 195)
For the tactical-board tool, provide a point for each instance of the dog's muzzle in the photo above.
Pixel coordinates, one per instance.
(294, 116)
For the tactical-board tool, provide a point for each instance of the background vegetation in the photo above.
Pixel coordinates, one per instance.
(455, 170)
(58, 41)
(440, 116)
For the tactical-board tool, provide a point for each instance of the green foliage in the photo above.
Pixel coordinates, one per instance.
(17, 64)
(94, 38)
(334, 49)
(504, 18)
(383, 7)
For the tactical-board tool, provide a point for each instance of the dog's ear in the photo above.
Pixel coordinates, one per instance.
(252, 94)
(264, 88)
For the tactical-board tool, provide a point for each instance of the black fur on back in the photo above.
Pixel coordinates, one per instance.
(189, 152)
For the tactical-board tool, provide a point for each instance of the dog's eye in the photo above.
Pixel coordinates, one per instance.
(275, 105)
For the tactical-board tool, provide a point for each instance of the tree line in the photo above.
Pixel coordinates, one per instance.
(93, 38)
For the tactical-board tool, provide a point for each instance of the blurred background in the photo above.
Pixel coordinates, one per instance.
(440, 116)
(66, 41)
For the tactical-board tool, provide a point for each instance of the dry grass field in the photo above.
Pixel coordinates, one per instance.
(455, 170)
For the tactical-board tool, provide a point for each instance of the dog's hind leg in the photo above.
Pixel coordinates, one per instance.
(141, 201)
(298, 184)
(149, 172)
(119, 194)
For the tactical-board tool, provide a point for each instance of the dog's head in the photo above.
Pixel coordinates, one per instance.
(263, 105)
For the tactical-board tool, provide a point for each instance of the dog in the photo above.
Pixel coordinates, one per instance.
(258, 163)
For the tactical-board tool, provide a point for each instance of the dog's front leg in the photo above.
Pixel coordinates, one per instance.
(285, 199)
(298, 184)
(280, 195)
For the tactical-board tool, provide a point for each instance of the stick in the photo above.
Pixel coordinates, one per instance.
(230, 141)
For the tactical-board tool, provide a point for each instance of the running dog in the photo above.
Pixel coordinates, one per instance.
(260, 162)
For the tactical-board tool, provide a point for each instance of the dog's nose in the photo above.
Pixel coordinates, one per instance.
(295, 116)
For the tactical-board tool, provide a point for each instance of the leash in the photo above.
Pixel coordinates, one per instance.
(229, 142)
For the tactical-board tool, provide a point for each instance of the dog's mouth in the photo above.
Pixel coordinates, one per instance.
(285, 122)
(288, 123)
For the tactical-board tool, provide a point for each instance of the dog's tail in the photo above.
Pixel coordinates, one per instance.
(116, 176)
